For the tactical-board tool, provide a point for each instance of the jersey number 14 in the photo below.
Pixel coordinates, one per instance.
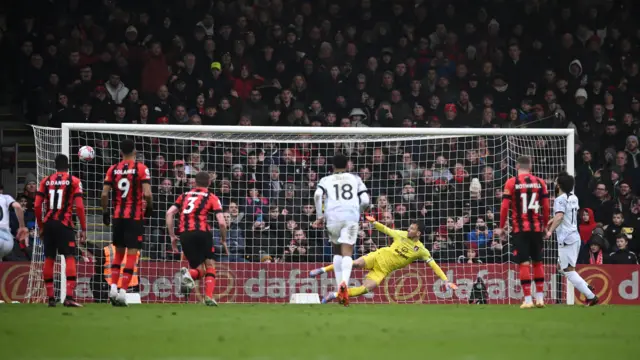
(532, 204)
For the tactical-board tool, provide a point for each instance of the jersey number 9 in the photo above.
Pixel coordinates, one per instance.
(124, 185)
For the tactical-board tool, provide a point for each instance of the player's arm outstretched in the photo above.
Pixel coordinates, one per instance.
(394, 234)
(546, 207)
(506, 202)
(23, 232)
(437, 269)
(216, 207)
(145, 178)
(169, 222)
(318, 199)
(559, 208)
(78, 201)
(365, 201)
(104, 197)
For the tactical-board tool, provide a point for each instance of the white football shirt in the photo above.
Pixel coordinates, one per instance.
(5, 203)
(342, 192)
(568, 205)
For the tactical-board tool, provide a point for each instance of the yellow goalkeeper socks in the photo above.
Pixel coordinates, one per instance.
(357, 291)
(328, 268)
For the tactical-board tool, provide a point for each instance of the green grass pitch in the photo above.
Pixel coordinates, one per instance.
(314, 332)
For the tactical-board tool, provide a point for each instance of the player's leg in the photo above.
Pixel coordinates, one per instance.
(348, 238)
(67, 247)
(371, 281)
(568, 256)
(359, 263)
(133, 241)
(536, 245)
(333, 230)
(337, 264)
(368, 285)
(195, 257)
(209, 282)
(520, 241)
(196, 273)
(50, 252)
(118, 234)
(205, 247)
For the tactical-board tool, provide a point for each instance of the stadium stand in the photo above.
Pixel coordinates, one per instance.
(363, 63)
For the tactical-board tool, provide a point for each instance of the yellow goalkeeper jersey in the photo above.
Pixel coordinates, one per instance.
(402, 252)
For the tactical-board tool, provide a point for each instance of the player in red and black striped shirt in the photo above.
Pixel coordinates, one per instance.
(524, 194)
(196, 238)
(55, 198)
(131, 184)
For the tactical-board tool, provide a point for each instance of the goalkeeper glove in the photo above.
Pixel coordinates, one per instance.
(450, 285)
(106, 218)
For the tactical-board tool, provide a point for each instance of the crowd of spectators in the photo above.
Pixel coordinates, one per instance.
(360, 63)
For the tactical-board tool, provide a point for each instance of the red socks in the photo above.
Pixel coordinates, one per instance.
(538, 276)
(47, 274)
(115, 267)
(195, 273)
(525, 279)
(71, 275)
(209, 282)
(128, 270)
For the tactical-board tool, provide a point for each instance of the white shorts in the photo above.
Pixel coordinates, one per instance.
(568, 254)
(6, 243)
(343, 232)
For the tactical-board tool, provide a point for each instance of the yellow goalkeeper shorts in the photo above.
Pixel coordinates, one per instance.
(376, 272)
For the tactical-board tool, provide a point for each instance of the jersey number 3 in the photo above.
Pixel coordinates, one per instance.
(532, 204)
(344, 192)
(191, 204)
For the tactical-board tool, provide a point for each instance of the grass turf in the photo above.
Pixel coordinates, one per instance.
(282, 332)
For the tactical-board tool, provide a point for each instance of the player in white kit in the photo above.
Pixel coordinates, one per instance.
(6, 239)
(565, 224)
(345, 197)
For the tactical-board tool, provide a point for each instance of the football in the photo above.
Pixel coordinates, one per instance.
(86, 153)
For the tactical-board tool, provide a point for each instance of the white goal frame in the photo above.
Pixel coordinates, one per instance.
(163, 130)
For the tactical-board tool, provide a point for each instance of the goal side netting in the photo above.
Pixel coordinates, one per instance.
(450, 180)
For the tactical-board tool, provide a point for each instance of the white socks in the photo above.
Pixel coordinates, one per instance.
(347, 265)
(539, 296)
(579, 283)
(337, 269)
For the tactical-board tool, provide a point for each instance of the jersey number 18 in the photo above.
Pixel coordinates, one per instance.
(344, 192)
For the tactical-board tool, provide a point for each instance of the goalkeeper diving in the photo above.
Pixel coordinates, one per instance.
(405, 249)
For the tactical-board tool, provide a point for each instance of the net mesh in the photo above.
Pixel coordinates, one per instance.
(266, 182)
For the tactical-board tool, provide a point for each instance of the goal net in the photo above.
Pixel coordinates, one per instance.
(449, 179)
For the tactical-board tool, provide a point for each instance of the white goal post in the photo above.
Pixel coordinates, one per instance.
(449, 179)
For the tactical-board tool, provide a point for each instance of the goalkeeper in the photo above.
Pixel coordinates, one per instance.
(406, 248)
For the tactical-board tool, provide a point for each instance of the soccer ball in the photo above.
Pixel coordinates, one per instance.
(86, 153)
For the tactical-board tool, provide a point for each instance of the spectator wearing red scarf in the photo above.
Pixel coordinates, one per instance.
(587, 224)
(595, 251)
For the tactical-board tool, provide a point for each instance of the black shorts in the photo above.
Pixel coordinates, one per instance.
(197, 247)
(58, 239)
(528, 245)
(127, 233)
